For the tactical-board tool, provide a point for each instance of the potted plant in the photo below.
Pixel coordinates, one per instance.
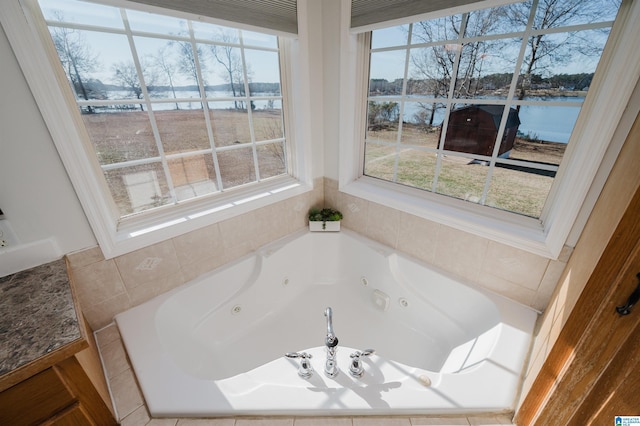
(325, 219)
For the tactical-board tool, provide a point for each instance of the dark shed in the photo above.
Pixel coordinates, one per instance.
(473, 129)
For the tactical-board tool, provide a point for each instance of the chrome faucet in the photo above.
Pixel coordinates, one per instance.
(331, 342)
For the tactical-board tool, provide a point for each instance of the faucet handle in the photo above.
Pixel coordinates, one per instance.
(364, 352)
(305, 370)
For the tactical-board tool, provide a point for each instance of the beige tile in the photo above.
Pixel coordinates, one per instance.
(163, 422)
(490, 420)
(381, 421)
(438, 421)
(126, 395)
(205, 422)
(417, 237)
(198, 245)
(460, 253)
(148, 264)
(115, 358)
(383, 224)
(355, 212)
(98, 282)
(265, 422)
(507, 289)
(85, 257)
(138, 418)
(514, 265)
(106, 335)
(201, 267)
(102, 314)
(548, 284)
(323, 421)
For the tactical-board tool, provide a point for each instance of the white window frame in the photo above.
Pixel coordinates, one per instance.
(593, 132)
(30, 40)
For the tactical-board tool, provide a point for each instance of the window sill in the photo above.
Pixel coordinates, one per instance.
(138, 232)
(507, 228)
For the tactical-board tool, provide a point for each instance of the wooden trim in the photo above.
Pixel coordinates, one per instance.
(586, 342)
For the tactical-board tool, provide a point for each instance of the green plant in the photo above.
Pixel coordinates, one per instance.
(325, 215)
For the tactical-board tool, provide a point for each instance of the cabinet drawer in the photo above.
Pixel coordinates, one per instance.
(34, 399)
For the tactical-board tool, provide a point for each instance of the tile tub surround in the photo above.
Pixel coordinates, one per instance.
(38, 314)
(131, 409)
(108, 287)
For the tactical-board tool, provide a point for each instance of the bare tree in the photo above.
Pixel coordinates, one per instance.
(77, 59)
(167, 69)
(227, 56)
(126, 74)
(547, 50)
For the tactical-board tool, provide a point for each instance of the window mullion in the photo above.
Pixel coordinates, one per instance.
(205, 105)
(252, 134)
(509, 101)
(145, 94)
(403, 99)
(449, 103)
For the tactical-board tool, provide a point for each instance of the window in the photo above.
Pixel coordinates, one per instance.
(481, 105)
(493, 120)
(175, 109)
(165, 121)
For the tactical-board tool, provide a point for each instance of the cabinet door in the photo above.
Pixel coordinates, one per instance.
(34, 400)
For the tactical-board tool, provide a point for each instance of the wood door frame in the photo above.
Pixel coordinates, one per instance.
(577, 360)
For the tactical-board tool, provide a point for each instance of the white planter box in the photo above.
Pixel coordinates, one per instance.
(317, 226)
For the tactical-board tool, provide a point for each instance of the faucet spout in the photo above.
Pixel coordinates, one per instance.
(331, 340)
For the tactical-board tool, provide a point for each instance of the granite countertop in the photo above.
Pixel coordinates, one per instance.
(37, 314)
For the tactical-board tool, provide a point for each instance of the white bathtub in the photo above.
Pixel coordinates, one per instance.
(215, 346)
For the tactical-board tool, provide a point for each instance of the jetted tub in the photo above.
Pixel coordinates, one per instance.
(216, 345)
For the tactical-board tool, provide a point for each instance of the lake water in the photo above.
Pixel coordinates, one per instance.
(548, 123)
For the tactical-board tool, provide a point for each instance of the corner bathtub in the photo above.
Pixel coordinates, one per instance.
(216, 345)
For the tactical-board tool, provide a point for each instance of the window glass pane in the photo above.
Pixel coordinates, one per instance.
(267, 123)
(222, 71)
(230, 125)
(161, 69)
(187, 64)
(271, 160)
(389, 37)
(98, 65)
(435, 30)
(553, 14)
(431, 69)
(387, 72)
(416, 168)
(182, 130)
(158, 24)
(120, 135)
(193, 176)
(547, 123)
(263, 71)
(421, 123)
(138, 188)
(519, 189)
(486, 69)
(379, 161)
(250, 38)
(383, 121)
(219, 33)
(80, 12)
(462, 178)
(537, 151)
(496, 20)
(236, 167)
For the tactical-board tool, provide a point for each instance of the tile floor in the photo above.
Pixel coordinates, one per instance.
(131, 410)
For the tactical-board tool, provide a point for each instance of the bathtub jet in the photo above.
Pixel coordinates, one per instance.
(214, 346)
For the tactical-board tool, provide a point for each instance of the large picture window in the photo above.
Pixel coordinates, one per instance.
(175, 109)
(481, 106)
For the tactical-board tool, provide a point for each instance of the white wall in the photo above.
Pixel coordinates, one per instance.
(40, 205)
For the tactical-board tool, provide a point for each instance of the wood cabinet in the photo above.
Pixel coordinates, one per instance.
(65, 386)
